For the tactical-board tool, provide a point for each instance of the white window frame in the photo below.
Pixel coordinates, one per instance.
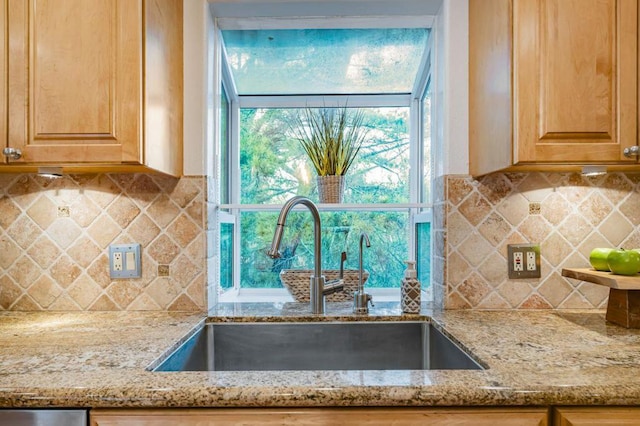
(419, 211)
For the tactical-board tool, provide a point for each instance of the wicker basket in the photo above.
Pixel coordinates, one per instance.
(330, 188)
(297, 281)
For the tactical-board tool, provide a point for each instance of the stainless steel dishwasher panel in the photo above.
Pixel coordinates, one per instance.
(17, 417)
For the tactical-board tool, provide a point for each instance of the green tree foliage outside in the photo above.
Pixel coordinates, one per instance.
(274, 167)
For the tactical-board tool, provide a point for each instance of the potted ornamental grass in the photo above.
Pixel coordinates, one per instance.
(332, 138)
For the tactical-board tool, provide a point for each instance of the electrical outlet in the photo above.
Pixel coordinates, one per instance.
(124, 261)
(523, 260)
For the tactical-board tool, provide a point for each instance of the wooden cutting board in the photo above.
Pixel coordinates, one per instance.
(620, 282)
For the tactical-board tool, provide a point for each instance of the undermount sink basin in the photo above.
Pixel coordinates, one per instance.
(317, 346)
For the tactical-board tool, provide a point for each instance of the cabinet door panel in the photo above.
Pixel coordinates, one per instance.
(75, 80)
(597, 416)
(575, 80)
(322, 417)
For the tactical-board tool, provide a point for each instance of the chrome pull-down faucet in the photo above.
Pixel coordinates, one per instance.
(318, 288)
(361, 299)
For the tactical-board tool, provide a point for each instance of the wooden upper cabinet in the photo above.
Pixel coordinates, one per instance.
(570, 91)
(76, 93)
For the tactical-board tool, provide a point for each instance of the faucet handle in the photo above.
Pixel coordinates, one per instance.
(333, 286)
(361, 301)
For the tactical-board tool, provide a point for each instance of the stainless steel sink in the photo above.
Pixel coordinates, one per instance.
(317, 346)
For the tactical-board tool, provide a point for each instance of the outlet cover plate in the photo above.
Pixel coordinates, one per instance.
(526, 271)
(131, 265)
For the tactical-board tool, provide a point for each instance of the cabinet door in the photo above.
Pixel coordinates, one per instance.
(322, 417)
(600, 416)
(74, 73)
(575, 80)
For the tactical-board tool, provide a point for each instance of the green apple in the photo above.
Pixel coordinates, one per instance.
(624, 262)
(598, 258)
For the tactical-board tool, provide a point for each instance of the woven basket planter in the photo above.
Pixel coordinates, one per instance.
(297, 281)
(330, 188)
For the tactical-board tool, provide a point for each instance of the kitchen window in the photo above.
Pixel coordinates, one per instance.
(267, 77)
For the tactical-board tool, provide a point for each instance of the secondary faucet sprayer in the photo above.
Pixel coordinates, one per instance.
(318, 287)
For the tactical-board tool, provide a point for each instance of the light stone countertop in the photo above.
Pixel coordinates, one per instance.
(99, 359)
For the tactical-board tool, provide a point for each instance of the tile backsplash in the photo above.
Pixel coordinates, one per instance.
(566, 213)
(55, 236)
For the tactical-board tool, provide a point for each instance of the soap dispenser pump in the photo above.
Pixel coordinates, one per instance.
(410, 290)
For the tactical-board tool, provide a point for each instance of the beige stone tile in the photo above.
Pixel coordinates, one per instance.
(64, 303)
(7, 179)
(183, 303)
(458, 229)
(144, 303)
(616, 228)
(64, 271)
(43, 212)
(555, 249)
(575, 301)
(633, 240)
(9, 212)
(143, 190)
(196, 291)
(25, 303)
(616, 187)
(592, 241)
(84, 291)
(44, 252)
(163, 210)
(458, 189)
(102, 190)
(630, 208)
(494, 269)
(84, 211)
(535, 301)
(555, 290)
(493, 301)
(183, 271)
(196, 250)
(104, 230)
(9, 250)
(84, 251)
(163, 291)
(494, 229)
(9, 292)
(535, 229)
(163, 250)
(495, 187)
(123, 293)
(555, 208)
(474, 208)
(575, 229)
(104, 303)
(594, 293)
(64, 232)
(99, 271)
(475, 249)
(123, 211)
(24, 231)
(24, 191)
(514, 292)
(195, 210)
(474, 289)
(457, 269)
(143, 230)
(186, 190)
(123, 180)
(44, 291)
(455, 301)
(183, 230)
(514, 209)
(24, 271)
(595, 208)
(535, 187)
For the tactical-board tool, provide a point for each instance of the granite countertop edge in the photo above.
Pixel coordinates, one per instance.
(535, 358)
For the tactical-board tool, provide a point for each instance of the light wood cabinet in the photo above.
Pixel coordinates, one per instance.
(93, 83)
(322, 416)
(552, 82)
(596, 416)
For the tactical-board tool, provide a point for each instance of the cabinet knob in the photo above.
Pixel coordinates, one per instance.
(631, 151)
(12, 153)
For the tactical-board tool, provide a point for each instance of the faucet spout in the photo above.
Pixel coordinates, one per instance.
(317, 284)
(361, 299)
